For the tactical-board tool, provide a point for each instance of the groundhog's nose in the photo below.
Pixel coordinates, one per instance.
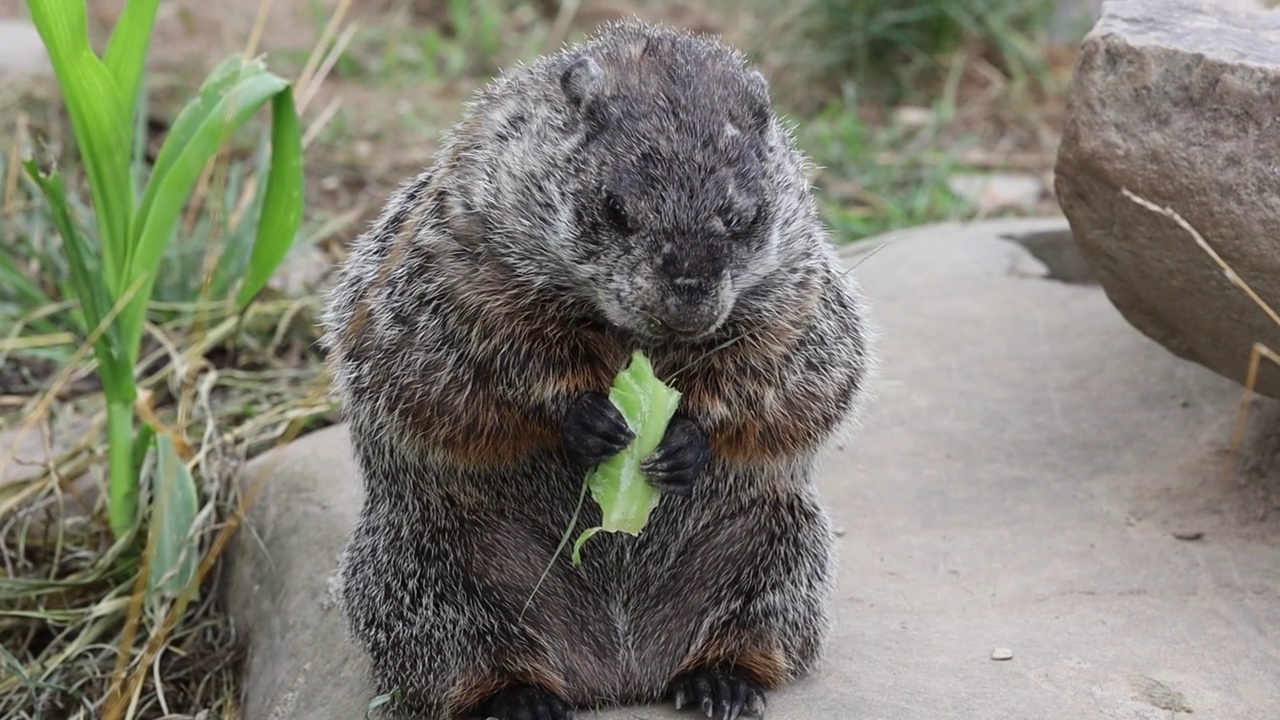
(691, 306)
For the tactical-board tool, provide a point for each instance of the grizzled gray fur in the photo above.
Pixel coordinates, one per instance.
(633, 192)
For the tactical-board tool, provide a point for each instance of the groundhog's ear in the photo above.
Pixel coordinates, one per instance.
(759, 84)
(581, 80)
(759, 87)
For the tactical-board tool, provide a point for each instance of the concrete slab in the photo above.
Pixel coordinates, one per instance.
(1021, 484)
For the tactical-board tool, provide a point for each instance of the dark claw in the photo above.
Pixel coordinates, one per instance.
(594, 430)
(680, 459)
(718, 693)
(525, 702)
(741, 697)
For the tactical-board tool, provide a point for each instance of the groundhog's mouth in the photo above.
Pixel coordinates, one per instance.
(683, 330)
(664, 322)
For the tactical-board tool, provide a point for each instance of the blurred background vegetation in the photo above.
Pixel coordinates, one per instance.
(915, 111)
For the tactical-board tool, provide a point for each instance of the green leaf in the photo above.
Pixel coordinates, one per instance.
(126, 55)
(282, 206)
(170, 543)
(625, 497)
(188, 149)
(100, 122)
(187, 123)
(93, 294)
(142, 442)
(138, 161)
(104, 97)
(380, 700)
(582, 540)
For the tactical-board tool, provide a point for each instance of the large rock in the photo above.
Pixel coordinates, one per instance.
(1018, 485)
(1179, 102)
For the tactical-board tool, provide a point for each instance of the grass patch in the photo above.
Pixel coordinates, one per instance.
(78, 636)
(889, 49)
(109, 545)
(470, 39)
(894, 99)
(876, 178)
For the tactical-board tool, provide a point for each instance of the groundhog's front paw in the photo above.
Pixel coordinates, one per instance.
(679, 459)
(594, 430)
(525, 702)
(719, 693)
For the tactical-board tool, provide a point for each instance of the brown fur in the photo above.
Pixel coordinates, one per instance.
(764, 663)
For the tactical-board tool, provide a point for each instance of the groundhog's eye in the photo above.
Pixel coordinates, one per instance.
(616, 214)
(741, 220)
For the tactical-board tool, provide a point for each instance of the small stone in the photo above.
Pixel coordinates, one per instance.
(1188, 535)
(912, 117)
(301, 271)
(998, 191)
(1002, 654)
(22, 50)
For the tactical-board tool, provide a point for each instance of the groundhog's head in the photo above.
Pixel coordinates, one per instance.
(646, 171)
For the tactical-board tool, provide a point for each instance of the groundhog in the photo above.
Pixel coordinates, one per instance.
(635, 191)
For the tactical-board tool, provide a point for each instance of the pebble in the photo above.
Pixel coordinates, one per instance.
(998, 191)
(21, 49)
(1002, 654)
(911, 117)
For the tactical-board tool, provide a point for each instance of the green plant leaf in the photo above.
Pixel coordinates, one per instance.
(380, 700)
(93, 294)
(582, 540)
(188, 149)
(100, 122)
(139, 163)
(625, 497)
(282, 205)
(126, 54)
(618, 486)
(142, 442)
(103, 96)
(186, 124)
(173, 551)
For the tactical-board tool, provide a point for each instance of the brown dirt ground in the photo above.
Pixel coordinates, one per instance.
(350, 172)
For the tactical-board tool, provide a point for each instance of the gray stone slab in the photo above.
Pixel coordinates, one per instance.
(1017, 485)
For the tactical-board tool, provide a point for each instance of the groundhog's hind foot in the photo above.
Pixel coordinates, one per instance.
(525, 702)
(719, 693)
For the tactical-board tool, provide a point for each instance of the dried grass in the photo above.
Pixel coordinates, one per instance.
(77, 640)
